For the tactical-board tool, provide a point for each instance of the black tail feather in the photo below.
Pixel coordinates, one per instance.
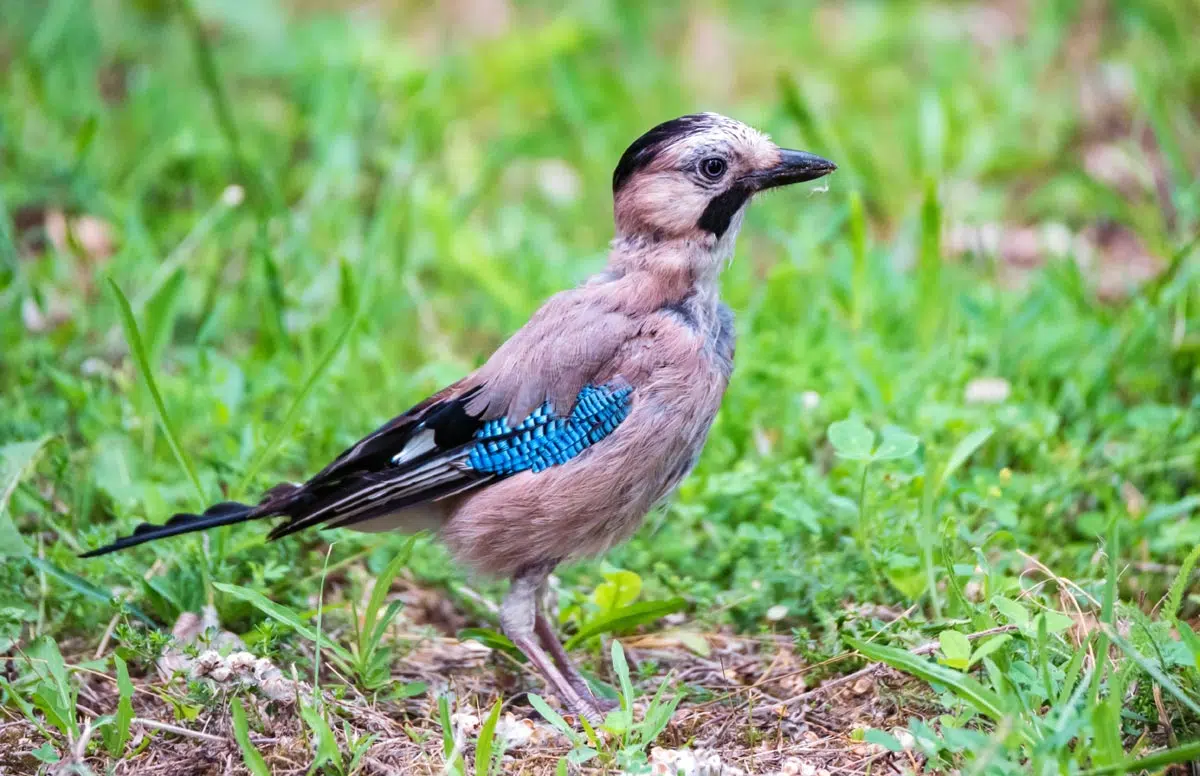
(224, 513)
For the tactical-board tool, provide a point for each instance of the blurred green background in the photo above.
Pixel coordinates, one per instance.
(1008, 244)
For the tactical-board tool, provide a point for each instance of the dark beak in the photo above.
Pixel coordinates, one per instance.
(793, 167)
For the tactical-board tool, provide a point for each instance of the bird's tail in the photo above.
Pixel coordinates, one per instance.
(224, 513)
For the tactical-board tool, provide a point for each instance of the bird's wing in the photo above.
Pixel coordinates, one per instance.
(546, 395)
(410, 459)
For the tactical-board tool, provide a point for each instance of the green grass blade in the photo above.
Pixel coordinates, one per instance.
(383, 584)
(626, 617)
(494, 639)
(450, 749)
(1111, 551)
(8, 248)
(283, 615)
(87, 589)
(389, 614)
(553, 717)
(1148, 665)
(1071, 674)
(447, 727)
(138, 349)
(487, 740)
(930, 302)
(16, 461)
(251, 757)
(158, 315)
(290, 417)
(316, 680)
(53, 695)
(14, 697)
(659, 714)
(1191, 641)
(1174, 595)
(124, 716)
(1180, 754)
(621, 667)
(1106, 748)
(966, 687)
(261, 195)
(965, 448)
(327, 750)
(76, 583)
(274, 303)
(928, 535)
(860, 272)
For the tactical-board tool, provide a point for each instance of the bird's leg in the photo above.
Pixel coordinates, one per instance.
(550, 642)
(518, 620)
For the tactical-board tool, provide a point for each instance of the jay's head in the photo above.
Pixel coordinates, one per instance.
(692, 177)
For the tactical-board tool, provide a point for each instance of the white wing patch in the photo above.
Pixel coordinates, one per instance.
(419, 444)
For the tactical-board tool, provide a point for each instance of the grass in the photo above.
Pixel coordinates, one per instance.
(318, 213)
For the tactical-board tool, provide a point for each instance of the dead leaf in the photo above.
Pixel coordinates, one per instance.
(987, 390)
(1135, 501)
(1116, 261)
(39, 321)
(1114, 165)
(91, 235)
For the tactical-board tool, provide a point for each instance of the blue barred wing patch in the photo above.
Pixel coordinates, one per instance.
(544, 438)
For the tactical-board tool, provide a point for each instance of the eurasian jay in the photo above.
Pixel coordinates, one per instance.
(589, 415)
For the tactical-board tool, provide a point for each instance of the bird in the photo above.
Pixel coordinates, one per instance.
(581, 422)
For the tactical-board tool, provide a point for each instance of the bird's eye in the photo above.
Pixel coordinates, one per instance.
(712, 167)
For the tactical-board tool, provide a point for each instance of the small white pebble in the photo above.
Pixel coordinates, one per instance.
(1057, 238)
(241, 663)
(93, 366)
(173, 662)
(795, 766)
(264, 668)
(987, 390)
(470, 645)
(207, 662)
(233, 195)
(516, 733)
(465, 722)
(686, 762)
(863, 686)
(272, 682)
(31, 316)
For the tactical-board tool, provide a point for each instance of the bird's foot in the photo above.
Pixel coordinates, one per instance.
(601, 704)
(592, 707)
(606, 704)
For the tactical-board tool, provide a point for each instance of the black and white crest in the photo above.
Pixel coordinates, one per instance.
(643, 150)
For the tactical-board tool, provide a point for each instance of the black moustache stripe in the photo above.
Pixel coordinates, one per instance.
(722, 208)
